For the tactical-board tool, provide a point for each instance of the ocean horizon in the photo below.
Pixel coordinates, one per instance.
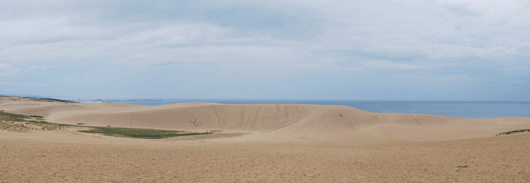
(461, 109)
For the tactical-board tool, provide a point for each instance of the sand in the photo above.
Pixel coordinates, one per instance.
(263, 143)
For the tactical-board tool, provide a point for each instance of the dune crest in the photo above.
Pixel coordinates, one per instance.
(273, 122)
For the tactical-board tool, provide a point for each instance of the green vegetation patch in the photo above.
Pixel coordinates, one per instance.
(5, 116)
(514, 131)
(139, 133)
(50, 100)
(48, 126)
(15, 98)
(22, 123)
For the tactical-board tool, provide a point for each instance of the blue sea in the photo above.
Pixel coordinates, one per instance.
(449, 108)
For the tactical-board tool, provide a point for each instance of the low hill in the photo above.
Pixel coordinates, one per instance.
(272, 122)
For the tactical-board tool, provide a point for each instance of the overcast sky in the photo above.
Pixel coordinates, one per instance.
(298, 49)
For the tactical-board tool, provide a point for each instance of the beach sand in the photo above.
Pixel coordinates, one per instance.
(263, 143)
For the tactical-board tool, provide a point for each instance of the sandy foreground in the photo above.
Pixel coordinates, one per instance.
(263, 143)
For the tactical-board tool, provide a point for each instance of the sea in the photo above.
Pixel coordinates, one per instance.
(462, 109)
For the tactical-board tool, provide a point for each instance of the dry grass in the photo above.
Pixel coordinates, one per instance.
(14, 126)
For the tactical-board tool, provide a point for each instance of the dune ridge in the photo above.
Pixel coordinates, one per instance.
(273, 122)
(263, 143)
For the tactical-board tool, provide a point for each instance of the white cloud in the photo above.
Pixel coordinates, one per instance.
(329, 60)
(444, 39)
(24, 84)
(7, 70)
(405, 75)
(458, 77)
(327, 67)
(60, 80)
(394, 31)
(34, 67)
(387, 65)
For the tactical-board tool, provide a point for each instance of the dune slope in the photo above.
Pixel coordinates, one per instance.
(273, 122)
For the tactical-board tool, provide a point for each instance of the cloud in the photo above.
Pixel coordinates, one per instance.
(104, 41)
(386, 65)
(405, 75)
(327, 67)
(60, 80)
(7, 70)
(34, 67)
(458, 77)
(24, 84)
(174, 32)
(329, 60)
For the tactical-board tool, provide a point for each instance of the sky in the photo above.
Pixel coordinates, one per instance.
(420, 50)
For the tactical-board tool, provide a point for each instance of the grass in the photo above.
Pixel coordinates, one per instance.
(22, 123)
(14, 127)
(50, 100)
(48, 124)
(5, 116)
(37, 99)
(138, 132)
(514, 131)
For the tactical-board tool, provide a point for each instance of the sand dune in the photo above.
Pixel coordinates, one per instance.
(282, 143)
(274, 122)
